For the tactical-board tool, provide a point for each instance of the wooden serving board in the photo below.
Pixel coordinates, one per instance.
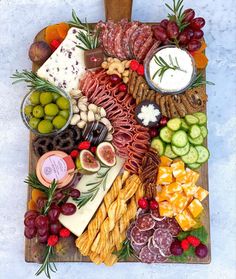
(115, 10)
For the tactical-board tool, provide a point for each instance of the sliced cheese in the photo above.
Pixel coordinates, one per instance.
(195, 208)
(77, 222)
(66, 65)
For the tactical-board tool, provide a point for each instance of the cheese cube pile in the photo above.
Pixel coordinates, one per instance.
(179, 196)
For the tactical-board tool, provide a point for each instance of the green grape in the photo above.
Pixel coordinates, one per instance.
(46, 98)
(45, 126)
(34, 122)
(28, 110)
(63, 103)
(47, 117)
(38, 111)
(65, 113)
(55, 96)
(59, 122)
(51, 109)
(34, 98)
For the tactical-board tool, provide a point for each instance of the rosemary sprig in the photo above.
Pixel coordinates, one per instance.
(199, 80)
(88, 39)
(76, 22)
(126, 251)
(47, 266)
(32, 181)
(178, 14)
(164, 66)
(34, 82)
(50, 196)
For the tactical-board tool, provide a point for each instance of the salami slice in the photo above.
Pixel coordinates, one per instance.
(146, 256)
(174, 227)
(128, 232)
(140, 40)
(112, 29)
(160, 258)
(165, 252)
(128, 31)
(162, 224)
(162, 238)
(144, 49)
(141, 212)
(145, 222)
(140, 237)
(118, 43)
(156, 215)
(154, 249)
(137, 248)
(133, 38)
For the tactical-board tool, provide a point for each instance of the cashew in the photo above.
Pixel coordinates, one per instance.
(93, 108)
(74, 102)
(109, 59)
(116, 60)
(81, 124)
(97, 117)
(83, 99)
(125, 79)
(102, 112)
(91, 116)
(75, 119)
(75, 109)
(118, 66)
(82, 106)
(105, 65)
(127, 64)
(114, 72)
(76, 93)
(125, 73)
(84, 116)
(124, 62)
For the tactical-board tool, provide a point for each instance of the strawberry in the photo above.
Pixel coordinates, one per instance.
(143, 203)
(193, 240)
(74, 153)
(64, 233)
(185, 244)
(134, 65)
(52, 240)
(84, 145)
(140, 70)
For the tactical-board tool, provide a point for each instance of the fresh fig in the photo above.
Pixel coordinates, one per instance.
(86, 162)
(106, 154)
(39, 52)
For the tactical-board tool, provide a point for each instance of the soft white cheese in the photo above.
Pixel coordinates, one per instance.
(148, 114)
(77, 222)
(66, 65)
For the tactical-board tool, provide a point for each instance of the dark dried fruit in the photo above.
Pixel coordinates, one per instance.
(39, 52)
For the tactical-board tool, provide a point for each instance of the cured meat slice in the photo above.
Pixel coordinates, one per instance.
(134, 36)
(140, 237)
(174, 227)
(165, 252)
(162, 238)
(156, 215)
(145, 222)
(118, 43)
(146, 256)
(143, 36)
(140, 56)
(112, 29)
(137, 248)
(154, 249)
(128, 232)
(128, 31)
(141, 212)
(160, 258)
(162, 224)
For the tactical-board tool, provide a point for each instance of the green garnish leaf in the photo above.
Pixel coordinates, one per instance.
(200, 233)
(185, 256)
(126, 251)
(200, 80)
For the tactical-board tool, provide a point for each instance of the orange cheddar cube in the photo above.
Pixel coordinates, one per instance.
(185, 220)
(189, 189)
(164, 175)
(180, 203)
(195, 208)
(178, 168)
(192, 176)
(165, 161)
(160, 197)
(201, 194)
(172, 188)
(182, 178)
(165, 209)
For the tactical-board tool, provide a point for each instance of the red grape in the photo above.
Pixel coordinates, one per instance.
(164, 23)
(189, 31)
(31, 213)
(198, 34)
(201, 251)
(74, 193)
(172, 30)
(43, 231)
(30, 221)
(41, 221)
(115, 79)
(197, 23)
(176, 248)
(43, 238)
(163, 121)
(166, 42)
(194, 45)
(189, 14)
(30, 232)
(55, 228)
(68, 208)
(160, 33)
(41, 202)
(184, 38)
(53, 213)
(59, 196)
(153, 132)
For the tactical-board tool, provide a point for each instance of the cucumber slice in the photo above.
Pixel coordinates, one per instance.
(204, 131)
(191, 157)
(194, 131)
(179, 139)
(201, 117)
(197, 141)
(169, 153)
(203, 154)
(174, 124)
(184, 125)
(180, 151)
(191, 119)
(166, 134)
(194, 166)
(158, 145)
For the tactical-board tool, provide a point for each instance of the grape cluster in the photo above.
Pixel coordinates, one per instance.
(188, 35)
(44, 225)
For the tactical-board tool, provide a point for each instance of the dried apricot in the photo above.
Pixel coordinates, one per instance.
(32, 205)
(201, 60)
(51, 33)
(62, 29)
(37, 194)
(202, 48)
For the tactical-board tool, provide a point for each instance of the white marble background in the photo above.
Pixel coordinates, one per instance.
(19, 22)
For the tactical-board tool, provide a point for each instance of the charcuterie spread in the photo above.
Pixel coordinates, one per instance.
(117, 111)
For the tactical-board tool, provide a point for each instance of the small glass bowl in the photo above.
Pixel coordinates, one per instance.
(147, 60)
(26, 119)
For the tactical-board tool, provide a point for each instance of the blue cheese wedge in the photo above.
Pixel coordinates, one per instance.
(66, 65)
(77, 222)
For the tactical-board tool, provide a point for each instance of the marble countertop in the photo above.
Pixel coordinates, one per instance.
(20, 21)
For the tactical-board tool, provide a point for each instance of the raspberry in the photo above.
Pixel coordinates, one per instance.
(140, 70)
(153, 204)
(93, 149)
(134, 65)
(193, 240)
(52, 240)
(64, 233)
(74, 153)
(143, 203)
(122, 87)
(185, 244)
(84, 145)
(54, 44)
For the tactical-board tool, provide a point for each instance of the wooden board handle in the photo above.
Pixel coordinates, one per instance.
(118, 9)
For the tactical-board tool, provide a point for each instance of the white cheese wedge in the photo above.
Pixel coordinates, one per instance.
(77, 222)
(66, 65)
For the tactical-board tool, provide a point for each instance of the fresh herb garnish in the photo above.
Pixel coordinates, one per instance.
(200, 233)
(178, 14)
(200, 80)
(164, 66)
(91, 193)
(76, 22)
(50, 196)
(33, 181)
(34, 82)
(126, 251)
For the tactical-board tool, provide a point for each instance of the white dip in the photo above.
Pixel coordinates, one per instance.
(172, 80)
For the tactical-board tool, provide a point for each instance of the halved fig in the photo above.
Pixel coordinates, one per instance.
(106, 154)
(86, 163)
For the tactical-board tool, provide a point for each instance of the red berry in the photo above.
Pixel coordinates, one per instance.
(52, 240)
(134, 65)
(64, 233)
(153, 204)
(93, 149)
(140, 70)
(153, 132)
(185, 244)
(163, 121)
(143, 203)
(115, 79)
(193, 240)
(74, 153)
(54, 44)
(84, 145)
(122, 87)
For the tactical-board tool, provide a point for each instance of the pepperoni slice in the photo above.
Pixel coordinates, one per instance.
(146, 256)
(140, 237)
(145, 222)
(160, 258)
(137, 248)
(174, 227)
(128, 31)
(156, 215)
(118, 43)
(154, 249)
(162, 224)
(162, 238)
